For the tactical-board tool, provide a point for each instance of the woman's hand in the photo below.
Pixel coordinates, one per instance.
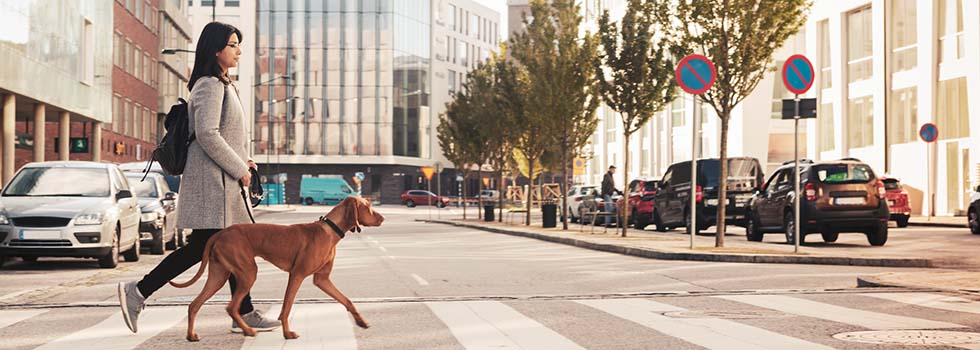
(247, 179)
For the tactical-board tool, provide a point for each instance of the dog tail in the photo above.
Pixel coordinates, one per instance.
(200, 271)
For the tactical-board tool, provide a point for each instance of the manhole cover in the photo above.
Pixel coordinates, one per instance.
(736, 315)
(912, 337)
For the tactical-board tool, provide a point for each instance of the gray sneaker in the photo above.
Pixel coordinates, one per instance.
(131, 302)
(257, 321)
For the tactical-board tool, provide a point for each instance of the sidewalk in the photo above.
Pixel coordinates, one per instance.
(277, 208)
(939, 221)
(947, 281)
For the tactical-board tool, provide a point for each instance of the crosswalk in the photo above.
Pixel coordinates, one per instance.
(739, 321)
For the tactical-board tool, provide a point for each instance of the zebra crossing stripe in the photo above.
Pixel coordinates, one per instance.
(9, 317)
(494, 325)
(112, 334)
(935, 301)
(861, 318)
(320, 326)
(711, 333)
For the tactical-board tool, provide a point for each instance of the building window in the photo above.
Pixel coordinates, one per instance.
(859, 45)
(677, 115)
(231, 3)
(826, 72)
(452, 82)
(146, 67)
(127, 52)
(126, 116)
(951, 45)
(207, 2)
(903, 118)
(860, 122)
(903, 35)
(779, 92)
(825, 120)
(452, 17)
(461, 51)
(952, 115)
(474, 25)
(117, 112)
(117, 50)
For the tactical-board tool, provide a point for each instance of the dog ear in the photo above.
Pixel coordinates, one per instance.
(352, 214)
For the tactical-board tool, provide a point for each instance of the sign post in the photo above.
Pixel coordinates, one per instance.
(428, 171)
(695, 74)
(798, 78)
(929, 133)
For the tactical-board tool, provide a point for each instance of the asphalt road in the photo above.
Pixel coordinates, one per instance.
(427, 286)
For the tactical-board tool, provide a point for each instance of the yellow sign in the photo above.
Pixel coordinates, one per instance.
(486, 182)
(428, 171)
(578, 166)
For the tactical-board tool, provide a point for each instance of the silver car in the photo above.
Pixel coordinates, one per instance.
(158, 217)
(69, 209)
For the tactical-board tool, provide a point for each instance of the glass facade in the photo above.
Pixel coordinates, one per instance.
(859, 45)
(343, 77)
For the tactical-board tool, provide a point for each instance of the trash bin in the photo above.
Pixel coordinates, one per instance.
(548, 215)
(488, 212)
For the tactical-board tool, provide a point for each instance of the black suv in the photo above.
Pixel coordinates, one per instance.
(837, 196)
(973, 214)
(672, 202)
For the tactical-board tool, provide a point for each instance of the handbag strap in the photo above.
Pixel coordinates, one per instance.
(248, 207)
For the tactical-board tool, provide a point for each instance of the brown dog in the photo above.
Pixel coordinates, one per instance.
(301, 250)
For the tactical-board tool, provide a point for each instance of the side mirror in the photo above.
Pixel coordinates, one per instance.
(124, 194)
(170, 196)
(978, 188)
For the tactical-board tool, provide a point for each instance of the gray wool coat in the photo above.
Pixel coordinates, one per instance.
(210, 195)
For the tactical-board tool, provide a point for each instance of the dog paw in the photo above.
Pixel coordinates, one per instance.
(362, 323)
(290, 335)
(193, 338)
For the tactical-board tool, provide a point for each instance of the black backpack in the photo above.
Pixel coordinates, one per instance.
(171, 153)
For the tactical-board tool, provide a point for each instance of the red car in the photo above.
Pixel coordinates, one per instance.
(641, 195)
(898, 201)
(413, 197)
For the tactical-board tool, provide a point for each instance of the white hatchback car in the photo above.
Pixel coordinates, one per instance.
(575, 195)
(69, 209)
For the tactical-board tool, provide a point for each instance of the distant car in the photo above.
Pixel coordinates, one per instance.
(575, 195)
(411, 198)
(837, 196)
(898, 201)
(173, 181)
(329, 190)
(486, 195)
(672, 203)
(70, 209)
(593, 202)
(973, 214)
(641, 195)
(158, 212)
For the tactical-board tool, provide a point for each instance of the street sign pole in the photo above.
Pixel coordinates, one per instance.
(796, 177)
(695, 74)
(694, 169)
(798, 78)
(929, 133)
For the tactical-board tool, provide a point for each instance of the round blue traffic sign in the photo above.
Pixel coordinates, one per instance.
(695, 74)
(798, 74)
(929, 132)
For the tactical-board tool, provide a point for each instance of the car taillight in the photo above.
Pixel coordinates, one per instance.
(881, 190)
(578, 199)
(700, 195)
(811, 192)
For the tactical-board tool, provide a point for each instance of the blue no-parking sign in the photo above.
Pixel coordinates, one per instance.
(798, 74)
(695, 74)
(929, 132)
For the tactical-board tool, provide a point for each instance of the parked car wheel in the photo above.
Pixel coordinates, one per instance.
(180, 237)
(410, 203)
(308, 201)
(657, 221)
(687, 222)
(830, 236)
(974, 221)
(111, 259)
(878, 235)
(157, 247)
(752, 231)
(902, 221)
(133, 254)
(789, 227)
(571, 216)
(640, 222)
(172, 243)
(440, 205)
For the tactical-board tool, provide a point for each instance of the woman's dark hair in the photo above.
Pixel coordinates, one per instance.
(213, 39)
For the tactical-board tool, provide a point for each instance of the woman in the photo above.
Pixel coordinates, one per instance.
(217, 168)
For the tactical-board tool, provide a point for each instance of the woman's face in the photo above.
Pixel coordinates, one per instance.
(228, 57)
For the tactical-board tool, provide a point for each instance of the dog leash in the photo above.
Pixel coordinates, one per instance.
(248, 204)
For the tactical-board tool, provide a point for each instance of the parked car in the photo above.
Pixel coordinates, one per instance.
(898, 201)
(158, 212)
(411, 198)
(672, 201)
(575, 196)
(45, 213)
(593, 202)
(837, 196)
(641, 194)
(973, 214)
(488, 195)
(329, 190)
(137, 167)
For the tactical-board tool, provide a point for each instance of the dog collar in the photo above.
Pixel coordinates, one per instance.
(333, 226)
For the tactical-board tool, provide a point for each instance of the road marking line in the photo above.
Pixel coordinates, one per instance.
(9, 317)
(494, 325)
(112, 333)
(320, 326)
(866, 319)
(711, 333)
(935, 301)
(420, 280)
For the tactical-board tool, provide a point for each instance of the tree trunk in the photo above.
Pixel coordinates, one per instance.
(462, 195)
(530, 186)
(626, 181)
(500, 197)
(564, 191)
(723, 180)
(479, 195)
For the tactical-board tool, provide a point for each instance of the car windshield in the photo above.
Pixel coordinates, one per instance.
(59, 182)
(892, 184)
(844, 173)
(144, 189)
(738, 169)
(650, 186)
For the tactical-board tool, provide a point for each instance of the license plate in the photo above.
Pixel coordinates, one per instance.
(31, 234)
(849, 200)
(891, 203)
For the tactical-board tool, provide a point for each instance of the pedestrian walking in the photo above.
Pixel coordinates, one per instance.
(217, 167)
(608, 190)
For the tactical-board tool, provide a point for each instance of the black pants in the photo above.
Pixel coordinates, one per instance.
(181, 260)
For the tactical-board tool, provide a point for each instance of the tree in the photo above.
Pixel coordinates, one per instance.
(483, 111)
(739, 37)
(634, 73)
(561, 84)
(454, 131)
(500, 126)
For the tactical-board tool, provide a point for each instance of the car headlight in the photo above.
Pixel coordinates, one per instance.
(711, 202)
(89, 219)
(147, 217)
(4, 220)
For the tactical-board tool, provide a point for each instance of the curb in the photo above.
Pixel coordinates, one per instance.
(712, 257)
(877, 282)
